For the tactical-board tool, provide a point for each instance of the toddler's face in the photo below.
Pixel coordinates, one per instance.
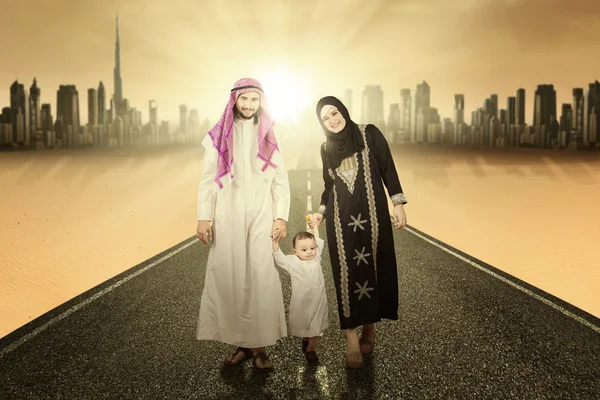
(306, 249)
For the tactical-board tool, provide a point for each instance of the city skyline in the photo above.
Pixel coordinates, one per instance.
(473, 48)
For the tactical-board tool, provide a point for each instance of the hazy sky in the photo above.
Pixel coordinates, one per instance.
(191, 51)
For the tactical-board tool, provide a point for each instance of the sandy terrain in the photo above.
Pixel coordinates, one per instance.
(72, 219)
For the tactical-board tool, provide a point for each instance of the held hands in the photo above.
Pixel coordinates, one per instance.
(314, 220)
(278, 231)
(204, 231)
(399, 216)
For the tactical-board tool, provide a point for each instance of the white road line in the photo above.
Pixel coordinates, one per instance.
(309, 174)
(309, 203)
(11, 347)
(308, 186)
(503, 279)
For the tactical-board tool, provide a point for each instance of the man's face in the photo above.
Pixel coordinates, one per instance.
(247, 105)
(332, 118)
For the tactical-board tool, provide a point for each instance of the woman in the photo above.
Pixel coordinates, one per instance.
(357, 162)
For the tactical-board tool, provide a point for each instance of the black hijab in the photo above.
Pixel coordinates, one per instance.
(344, 143)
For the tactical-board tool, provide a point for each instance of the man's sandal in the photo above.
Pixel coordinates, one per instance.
(304, 344)
(265, 361)
(311, 357)
(366, 343)
(247, 356)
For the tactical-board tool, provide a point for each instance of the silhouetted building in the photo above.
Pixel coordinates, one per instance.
(459, 117)
(545, 115)
(92, 107)
(183, 118)
(67, 110)
(35, 94)
(118, 81)
(372, 106)
(421, 109)
(19, 105)
(592, 114)
(101, 104)
(153, 112)
(520, 107)
(405, 114)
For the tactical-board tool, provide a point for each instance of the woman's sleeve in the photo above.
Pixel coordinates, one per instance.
(387, 168)
(327, 180)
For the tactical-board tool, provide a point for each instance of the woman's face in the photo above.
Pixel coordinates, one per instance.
(332, 118)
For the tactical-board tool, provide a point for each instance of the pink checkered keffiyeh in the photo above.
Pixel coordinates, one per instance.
(222, 133)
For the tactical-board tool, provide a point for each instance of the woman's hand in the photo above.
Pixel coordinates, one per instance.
(399, 216)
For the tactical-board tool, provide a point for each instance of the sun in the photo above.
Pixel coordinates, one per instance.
(287, 93)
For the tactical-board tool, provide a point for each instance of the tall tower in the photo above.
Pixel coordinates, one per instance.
(36, 107)
(118, 94)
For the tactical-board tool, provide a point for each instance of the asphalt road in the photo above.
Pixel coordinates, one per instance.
(466, 331)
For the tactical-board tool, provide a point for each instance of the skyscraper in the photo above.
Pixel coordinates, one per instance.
(405, 113)
(459, 117)
(92, 107)
(118, 82)
(19, 104)
(372, 106)
(153, 112)
(183, 119)
(520, 107)
(35, 94)
(421, 109)
(545, 115)
(592, 113)
(67, 109)
(101, 104)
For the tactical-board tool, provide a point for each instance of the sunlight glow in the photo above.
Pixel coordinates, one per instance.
(288, 93)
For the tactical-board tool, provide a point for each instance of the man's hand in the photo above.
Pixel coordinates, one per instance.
(204, 231)
(399, 216)
(279, 225)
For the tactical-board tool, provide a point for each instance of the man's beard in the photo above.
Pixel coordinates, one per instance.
(241, 115)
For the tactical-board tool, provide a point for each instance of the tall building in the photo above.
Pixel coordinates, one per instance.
(405, 112)
(393, 124)
(118, 82)
(372, 106)
(578, 112)
(520, 107)
(67, 109)
(421, 110)
(35, 94)
(153, 112)
(183, 119)
(19, 104)
(592, 113)
(101, 104)
(511, 116)
(459, 117)
(545, 114)
(92, 107)
(494, 105)
(46, 118)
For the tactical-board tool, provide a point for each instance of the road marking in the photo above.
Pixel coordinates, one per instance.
(308, 186)
(309, 203)
(508, 281)
(13, 346)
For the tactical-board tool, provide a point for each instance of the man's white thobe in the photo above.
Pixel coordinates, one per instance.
(242, 299)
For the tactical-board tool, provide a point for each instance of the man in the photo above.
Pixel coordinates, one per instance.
(244, 196)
